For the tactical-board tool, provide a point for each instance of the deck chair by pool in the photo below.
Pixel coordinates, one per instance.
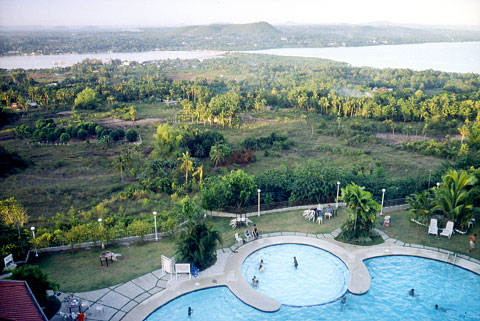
(238, 239)
(433, 229)
(448, 230)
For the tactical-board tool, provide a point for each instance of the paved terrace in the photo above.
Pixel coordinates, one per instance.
(136, 299)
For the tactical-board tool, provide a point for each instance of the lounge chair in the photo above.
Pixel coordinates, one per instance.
(433, 229)
(448, 230)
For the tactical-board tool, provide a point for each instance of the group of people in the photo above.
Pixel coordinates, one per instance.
(261, 268)
(319, 211)
(413, 294)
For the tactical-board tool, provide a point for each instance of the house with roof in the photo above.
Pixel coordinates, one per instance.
(17, 302)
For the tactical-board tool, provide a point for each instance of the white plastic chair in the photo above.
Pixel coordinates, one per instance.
(448, 230)
(433, 229)
(238, 238)
(247, 235)
(320, 219)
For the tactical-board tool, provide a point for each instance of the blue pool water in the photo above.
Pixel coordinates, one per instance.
(319, 278)
(435, 282)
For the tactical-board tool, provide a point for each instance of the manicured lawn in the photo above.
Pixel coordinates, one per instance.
(406, 231)
(80, 270)
(291, 221)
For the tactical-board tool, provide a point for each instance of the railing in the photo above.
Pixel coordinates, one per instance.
(266, 207)
(394, 202)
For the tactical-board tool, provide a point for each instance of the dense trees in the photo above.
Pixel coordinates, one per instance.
(10, 162)
(37, 281)
(86, 99)
(411, 103)
(197, 245)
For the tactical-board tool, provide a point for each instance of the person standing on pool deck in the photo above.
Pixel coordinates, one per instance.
(255, 231)
(472, 238)
(295, 262)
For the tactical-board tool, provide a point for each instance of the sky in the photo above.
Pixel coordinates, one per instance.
(199, 12)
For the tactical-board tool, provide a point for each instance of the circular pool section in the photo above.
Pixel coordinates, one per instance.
(319, 278)
(452, 288)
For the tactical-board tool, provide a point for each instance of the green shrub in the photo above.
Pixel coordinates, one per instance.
(131, 135)
(64, 138)
(82, 134)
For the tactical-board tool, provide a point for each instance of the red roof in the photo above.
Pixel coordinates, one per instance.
(17, 302)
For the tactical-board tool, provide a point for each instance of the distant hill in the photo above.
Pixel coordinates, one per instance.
(227, 30)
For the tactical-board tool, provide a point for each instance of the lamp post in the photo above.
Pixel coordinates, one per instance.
(33, 232)
(259, 190)
(338, 190)
(429, 176)
(20, 236)
(438, 185)
(100, 222)
(383, 196)
(155, 219)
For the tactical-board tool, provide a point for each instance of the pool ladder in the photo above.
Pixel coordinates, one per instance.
(454, 258)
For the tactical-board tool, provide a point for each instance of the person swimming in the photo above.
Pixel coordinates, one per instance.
(254, 281)
(344, 299)
(440, 308)
(411, 292)
(261, 268)
(190, 311)
(295, 262)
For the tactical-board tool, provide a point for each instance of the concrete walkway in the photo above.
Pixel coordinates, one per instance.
(136, 299)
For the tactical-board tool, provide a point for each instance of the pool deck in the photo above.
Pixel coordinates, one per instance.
(138, 298)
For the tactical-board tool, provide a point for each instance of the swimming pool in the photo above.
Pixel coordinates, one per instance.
(319, 278)
(392, 277)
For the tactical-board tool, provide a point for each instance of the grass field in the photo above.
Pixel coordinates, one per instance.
(82, 175)
(408, 232)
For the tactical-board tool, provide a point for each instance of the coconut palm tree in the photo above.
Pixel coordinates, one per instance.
(186, 164)
(199, 173)
(454, 197)
(219, 153)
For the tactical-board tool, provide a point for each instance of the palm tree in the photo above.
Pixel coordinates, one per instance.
(363, 208)
(454, 197)
(197, 245)
(219, 153)
(464, 132)
(186, 164)
(199, 172)
(420, 204)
